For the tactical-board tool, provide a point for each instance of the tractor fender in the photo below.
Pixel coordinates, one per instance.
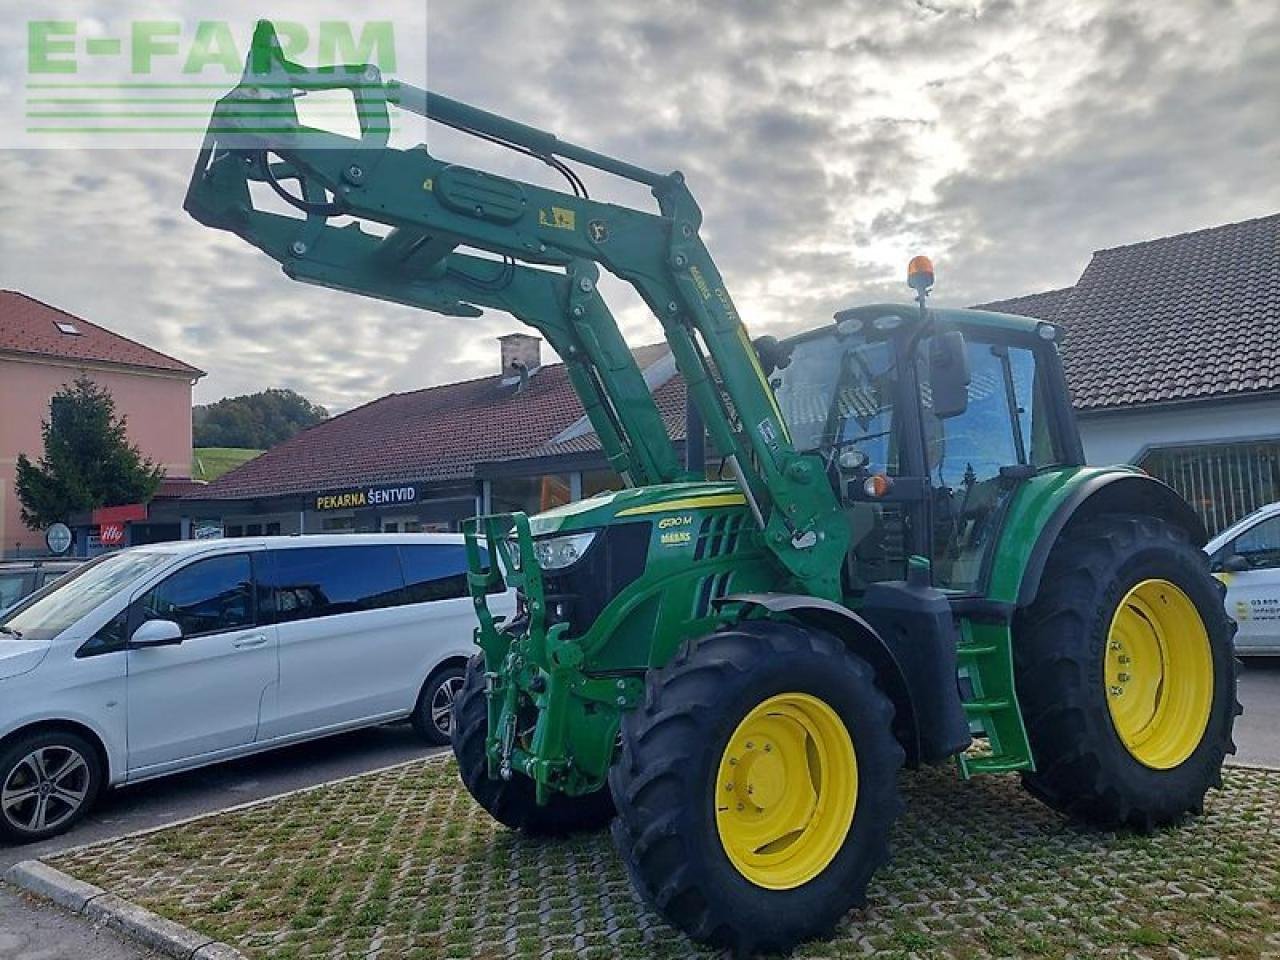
(861, 639)
(1118, 491)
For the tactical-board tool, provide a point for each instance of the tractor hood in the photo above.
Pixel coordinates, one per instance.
(638, 502)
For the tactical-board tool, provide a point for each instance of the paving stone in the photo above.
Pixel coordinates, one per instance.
(402, 863)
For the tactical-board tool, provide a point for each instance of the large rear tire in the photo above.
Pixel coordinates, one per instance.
(512, 802)
(1126, 675)
(756, 786)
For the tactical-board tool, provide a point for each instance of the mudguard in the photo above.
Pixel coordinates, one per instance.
(1113, 491)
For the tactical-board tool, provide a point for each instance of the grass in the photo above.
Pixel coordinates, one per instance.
(403, 864)
(209, 463)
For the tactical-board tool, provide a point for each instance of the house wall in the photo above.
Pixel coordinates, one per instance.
(158, 408)
(1122, 437)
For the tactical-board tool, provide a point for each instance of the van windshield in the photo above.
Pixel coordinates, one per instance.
(49, 611)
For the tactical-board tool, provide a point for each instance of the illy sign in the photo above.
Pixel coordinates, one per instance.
(111, 534)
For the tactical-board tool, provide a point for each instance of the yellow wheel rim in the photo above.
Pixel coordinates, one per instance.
(786, 790)
(1159, 674)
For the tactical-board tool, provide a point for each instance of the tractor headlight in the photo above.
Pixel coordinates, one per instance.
(556, 553)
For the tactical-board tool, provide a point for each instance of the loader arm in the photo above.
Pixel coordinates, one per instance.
(549, 241)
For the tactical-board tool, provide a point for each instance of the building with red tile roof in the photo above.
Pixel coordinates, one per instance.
(43, 348)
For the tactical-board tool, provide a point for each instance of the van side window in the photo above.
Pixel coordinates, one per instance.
(434, 572)
(324, 581)
(209, 596)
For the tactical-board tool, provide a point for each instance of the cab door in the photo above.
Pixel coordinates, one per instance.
(204, 695)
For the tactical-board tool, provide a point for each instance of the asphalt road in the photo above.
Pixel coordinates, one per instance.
(34, 931)
(1258, 729)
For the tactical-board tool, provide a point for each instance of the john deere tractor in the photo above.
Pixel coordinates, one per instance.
(902, 560)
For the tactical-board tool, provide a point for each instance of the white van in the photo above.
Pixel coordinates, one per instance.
(170, 656)
(1246, 557)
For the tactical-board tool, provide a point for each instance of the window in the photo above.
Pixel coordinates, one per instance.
(598, 481)
(838, 396)
(1259, 545)
(272, 529)
(210, 596)
(325, 581)
(113, 636)
(1006, 424)
(53, 608)
(434, 572)
(13, 587)
(528, 494)
(67, 327)
(235, 530)
(1224, 482)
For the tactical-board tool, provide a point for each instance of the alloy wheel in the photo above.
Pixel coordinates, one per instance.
(45, 788)
(442, 704)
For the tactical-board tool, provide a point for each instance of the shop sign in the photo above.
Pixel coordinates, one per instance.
(362, 497)
(58, 538)
(111, 534)
(206, 529)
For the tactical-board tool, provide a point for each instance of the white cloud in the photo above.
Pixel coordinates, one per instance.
(826, 143)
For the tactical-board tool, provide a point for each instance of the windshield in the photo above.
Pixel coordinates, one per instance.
(49, 611)
(838, 391)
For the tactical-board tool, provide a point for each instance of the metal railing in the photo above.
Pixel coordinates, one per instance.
(1222, 481)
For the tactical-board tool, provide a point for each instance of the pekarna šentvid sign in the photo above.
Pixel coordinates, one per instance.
(363, 497)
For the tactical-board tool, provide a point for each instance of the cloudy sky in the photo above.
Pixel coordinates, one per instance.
(826, 143)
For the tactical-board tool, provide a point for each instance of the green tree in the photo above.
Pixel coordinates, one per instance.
(88, 460)
(256, 421)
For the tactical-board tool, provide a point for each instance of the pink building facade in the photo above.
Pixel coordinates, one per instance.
(42, 349)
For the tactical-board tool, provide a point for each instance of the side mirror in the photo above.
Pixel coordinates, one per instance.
(1235, 564)
(948, 374)
(156, 633)
(771, 354)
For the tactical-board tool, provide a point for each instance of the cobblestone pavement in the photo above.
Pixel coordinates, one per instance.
(403, 864)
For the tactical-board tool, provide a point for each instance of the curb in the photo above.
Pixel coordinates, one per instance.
(96, 905)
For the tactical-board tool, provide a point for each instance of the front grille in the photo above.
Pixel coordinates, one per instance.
(614, 561)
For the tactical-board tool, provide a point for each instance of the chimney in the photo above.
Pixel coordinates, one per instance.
(521, 354)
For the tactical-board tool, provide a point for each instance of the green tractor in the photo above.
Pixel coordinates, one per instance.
(903, 561)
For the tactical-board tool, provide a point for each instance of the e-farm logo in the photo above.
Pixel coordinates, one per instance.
(89, 81)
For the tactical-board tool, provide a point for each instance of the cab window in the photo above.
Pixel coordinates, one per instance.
(1007, 425)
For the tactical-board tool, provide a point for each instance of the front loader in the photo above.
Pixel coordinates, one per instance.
(904, 550)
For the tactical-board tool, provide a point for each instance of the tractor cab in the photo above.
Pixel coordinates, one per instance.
(927, 420)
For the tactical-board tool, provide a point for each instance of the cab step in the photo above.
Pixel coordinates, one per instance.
(990, 702)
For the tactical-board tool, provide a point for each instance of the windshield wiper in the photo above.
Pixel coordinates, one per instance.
(12, 632)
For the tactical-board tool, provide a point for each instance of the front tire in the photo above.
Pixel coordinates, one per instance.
(48, 782)
(512, 802)
(1126, 675)
(756, 786)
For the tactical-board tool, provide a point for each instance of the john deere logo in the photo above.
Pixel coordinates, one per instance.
(598, 231)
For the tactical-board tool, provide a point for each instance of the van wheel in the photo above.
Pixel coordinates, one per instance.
(433, 715)
(48, 781)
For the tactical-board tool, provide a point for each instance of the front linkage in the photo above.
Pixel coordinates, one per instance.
(534, 684)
